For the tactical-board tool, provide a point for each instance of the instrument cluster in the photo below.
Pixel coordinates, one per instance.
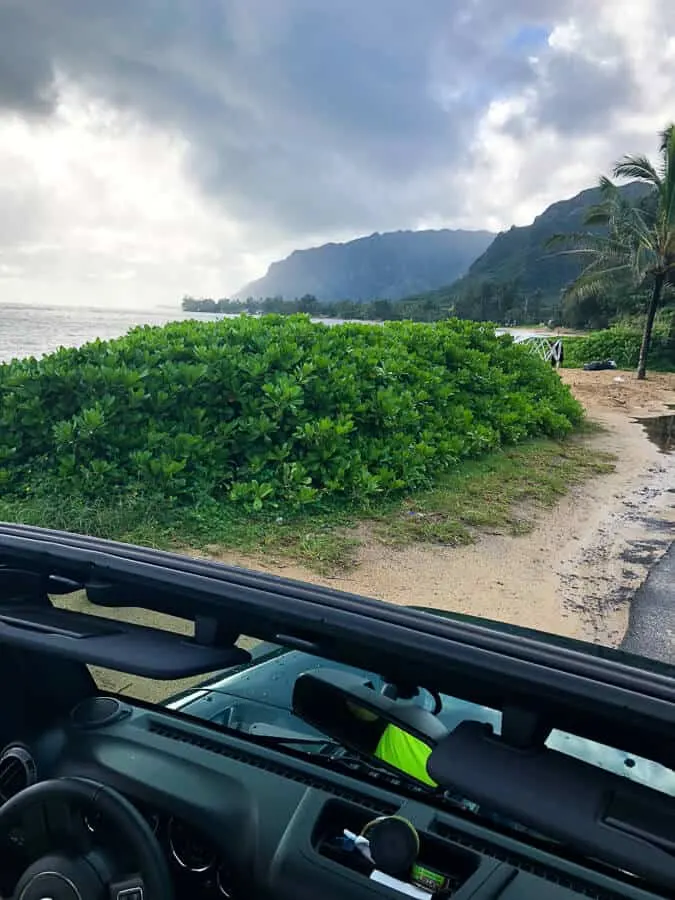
(194, 860)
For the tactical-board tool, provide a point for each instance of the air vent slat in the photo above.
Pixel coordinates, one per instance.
(249, 759)
(17, 771)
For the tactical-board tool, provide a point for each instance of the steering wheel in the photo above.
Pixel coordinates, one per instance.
(45, 820)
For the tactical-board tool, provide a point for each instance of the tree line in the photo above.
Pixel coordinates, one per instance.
(489, 301)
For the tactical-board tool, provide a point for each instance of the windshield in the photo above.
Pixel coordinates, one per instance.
(264, 719)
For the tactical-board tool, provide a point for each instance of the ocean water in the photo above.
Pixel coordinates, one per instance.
(36, 330)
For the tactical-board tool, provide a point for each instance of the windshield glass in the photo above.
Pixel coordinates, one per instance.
(264, 719)
(256, 697)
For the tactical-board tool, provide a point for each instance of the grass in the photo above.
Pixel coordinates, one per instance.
(320, 541)
(500, 493)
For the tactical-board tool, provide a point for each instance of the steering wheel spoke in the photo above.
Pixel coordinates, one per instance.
(45, 825)
(28, 834)
(65, 826)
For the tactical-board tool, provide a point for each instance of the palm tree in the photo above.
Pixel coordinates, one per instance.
(637, 246)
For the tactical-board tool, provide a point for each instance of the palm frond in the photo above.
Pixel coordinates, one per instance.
(668, 162)
(638, 168)
(596, 215)
(578, 238)
(607, 187)
(590, 284)
(634, 228)
(665, 137)
(631, 242)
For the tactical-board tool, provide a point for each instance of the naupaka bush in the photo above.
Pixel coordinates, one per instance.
(271, 410)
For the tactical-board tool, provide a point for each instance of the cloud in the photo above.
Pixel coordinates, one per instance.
(602, 88)
(26, 73)
(215, 135)
(97, 198)
(283, 100)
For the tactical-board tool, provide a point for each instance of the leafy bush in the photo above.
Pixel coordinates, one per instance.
(622, 344)
(272, 410)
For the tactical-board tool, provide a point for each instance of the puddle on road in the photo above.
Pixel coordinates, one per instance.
(660, 430)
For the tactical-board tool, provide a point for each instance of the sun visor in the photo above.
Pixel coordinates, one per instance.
(598, 813)
(135, 649)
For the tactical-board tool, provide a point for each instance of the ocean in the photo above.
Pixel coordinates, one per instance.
(36, 330)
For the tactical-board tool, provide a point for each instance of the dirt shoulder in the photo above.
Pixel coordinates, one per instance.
(575, 573)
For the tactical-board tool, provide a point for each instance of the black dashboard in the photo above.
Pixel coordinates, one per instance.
(240, 820)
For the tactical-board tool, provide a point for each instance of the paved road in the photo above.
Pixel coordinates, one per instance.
(651, 628)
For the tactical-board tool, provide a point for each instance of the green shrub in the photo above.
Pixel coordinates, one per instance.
(622, 344)
(272, 410)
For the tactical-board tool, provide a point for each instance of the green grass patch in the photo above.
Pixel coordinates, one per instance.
(321, 540)
(501, 492)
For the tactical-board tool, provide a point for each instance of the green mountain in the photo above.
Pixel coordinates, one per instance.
(520, 255)
(518, 279)
(391, 266)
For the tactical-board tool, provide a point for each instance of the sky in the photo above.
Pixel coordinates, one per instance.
(155, 148)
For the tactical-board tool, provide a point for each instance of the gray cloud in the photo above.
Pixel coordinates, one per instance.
(308, 119)
(26, 72)
(301, 115)
(579, 95)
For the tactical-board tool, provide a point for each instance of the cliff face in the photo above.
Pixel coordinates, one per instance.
(390, 266)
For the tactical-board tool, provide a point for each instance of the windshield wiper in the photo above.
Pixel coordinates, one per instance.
(272, 740)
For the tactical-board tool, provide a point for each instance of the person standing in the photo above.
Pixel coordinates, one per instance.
(557, 354)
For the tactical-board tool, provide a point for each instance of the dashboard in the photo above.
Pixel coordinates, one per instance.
(241, 820)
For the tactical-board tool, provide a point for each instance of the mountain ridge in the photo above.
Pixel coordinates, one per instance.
(520, 253)
(388, 265)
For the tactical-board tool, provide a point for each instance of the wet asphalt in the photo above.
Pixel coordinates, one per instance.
(651, 627)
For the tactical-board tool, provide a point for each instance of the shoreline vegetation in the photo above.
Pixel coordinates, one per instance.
(621, 341)
(281, 435)
(431, 429)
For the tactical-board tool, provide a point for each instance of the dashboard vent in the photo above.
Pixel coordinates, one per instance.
(17, 771)
(214, 746)
(524, 864)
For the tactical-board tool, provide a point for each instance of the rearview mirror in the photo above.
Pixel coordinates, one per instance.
(397, 734)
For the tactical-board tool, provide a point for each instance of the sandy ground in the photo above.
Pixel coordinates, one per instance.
(576, 572)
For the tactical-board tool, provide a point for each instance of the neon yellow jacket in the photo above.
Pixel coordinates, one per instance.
(405, 752)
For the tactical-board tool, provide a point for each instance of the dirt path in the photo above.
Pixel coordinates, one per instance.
(575, 573)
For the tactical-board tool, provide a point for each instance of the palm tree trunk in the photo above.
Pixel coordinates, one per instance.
(649, 325)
